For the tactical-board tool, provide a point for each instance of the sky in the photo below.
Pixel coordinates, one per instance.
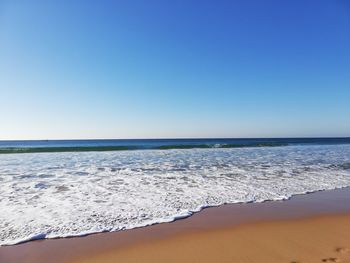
(174, 69)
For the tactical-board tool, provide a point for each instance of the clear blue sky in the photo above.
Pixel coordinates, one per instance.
(150, 69)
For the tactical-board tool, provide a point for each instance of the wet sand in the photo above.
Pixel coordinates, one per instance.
(307, 228)
(320, 239)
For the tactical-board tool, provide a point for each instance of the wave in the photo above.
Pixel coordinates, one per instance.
(9, 150)
(79, 194)
(173, 218)
(64, 149)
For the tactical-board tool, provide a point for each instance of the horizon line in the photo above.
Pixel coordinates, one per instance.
(181, 138)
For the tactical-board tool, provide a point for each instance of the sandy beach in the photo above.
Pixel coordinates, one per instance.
(319, 239)
(307, 228)
(175, 131)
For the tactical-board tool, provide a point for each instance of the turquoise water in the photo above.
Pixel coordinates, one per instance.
(162, 144)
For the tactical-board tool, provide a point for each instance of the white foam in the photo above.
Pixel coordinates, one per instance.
(48, 195)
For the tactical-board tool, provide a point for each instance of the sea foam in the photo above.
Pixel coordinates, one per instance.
(49, 195)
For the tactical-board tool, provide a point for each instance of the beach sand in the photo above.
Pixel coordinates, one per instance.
(307, 228)
(320, 239)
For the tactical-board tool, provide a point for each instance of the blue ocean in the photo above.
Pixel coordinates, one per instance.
(64, 188)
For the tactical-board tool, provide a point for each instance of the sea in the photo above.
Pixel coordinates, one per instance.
(65, 188)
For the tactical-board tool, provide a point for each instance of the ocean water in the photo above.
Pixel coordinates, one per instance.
(71, 193)
(160, 144)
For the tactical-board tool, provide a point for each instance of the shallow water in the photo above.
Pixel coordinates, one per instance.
(46, 195)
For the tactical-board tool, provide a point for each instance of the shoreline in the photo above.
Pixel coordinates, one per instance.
(312, 206)
(313, 239)
(176, 218)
